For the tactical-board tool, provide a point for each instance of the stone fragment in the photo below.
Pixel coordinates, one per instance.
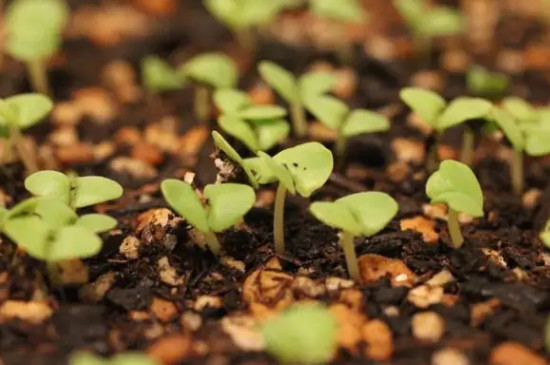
(513, 353)
(379, 339)
(374, 267)
(428, 326)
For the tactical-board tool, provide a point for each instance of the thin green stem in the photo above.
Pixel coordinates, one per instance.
(299, 122)
(202, 102)
(468, 146)
(432, 160)
(517, 171)
(454, 229)
(27, 157)
(247, 39)
(340, 151)
(346, 240)
(279, 220)
(213, 243)
(38, 76)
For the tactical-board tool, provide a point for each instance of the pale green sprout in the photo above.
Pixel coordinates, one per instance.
(427, 23)
(545, 235)
(483, 82)
(33, 30)
(258, 127)
(159, 76)
(128, 358)
(208, 71)
(302, 334)
(295, 91)
(342, 10)
(336, 115)
(361, 214)
(456, 185)
(227, 204)
(224, 146)
(432, 108)
(18, 113)
(299, 170)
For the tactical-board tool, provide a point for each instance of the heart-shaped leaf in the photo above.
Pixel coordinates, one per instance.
(521, 110)
(412, 11)
(228, 204)
(364, 121)
(279, 171)
(284, 83)
(30, 233)
(271, 132)
(260, 169)
(463, 109)
(90, 190)
(238, 128)
(227, 11)
(73, 242)
(230, 101)
(49, 184)
(96, 223)
(426, 103)
(261, 112)
(55, 213)
(328, 110)
(159, 76)
(29, 108)
(510, 127)
(183, 199)
(336, 216)
(314, 84)
(373, 210)
(215, 69)
(484, 82)
(222, 144)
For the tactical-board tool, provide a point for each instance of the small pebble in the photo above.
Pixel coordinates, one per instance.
(428, 326)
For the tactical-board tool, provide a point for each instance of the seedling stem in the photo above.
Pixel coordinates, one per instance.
(468, 142)
(340, 148)
(298, 116)
(517, 171)
(454, 229)
(201, 102)
(278, 220)
(246, 39)
(433, 157)
(346, 240)
(213, 243)
(27, 157)
(38, 77)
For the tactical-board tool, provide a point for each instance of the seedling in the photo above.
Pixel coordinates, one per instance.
(296, 90)
(259, 127)
(357, 214)
(482, 82)
(208, 70)
(336, 115)
(301, 169)
(18, 113)
(128, 358)
(427, 23)
(456, 185)
(440, 116)
(34, 34)
(302, 334)
(159, 76)
(344, 10)
(545, 235)
(227, 204)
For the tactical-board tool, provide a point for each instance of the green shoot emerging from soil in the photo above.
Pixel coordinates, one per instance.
(482, 82)
(440, 116)
(129, 358)
(357, 214)
(336, 115)
(296, 91)
(159, 76)
(18, 113)
(302, 334)
(227, 204)
(456, 185)
(208, 70)
(34, 34)
(258, 127)
(301, 169)
(427, 23)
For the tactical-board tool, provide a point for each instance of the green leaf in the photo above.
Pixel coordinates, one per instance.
(537, 142)
(328, 110)
(342, 10)
(86, 358)
(373, 210)
(412, 11)
(230, 101)
(261, 171)
(55, 213)
(159, 76)
(73, 242)
(183, 199)
(427, 104)
(302, 334)
(336, 216)
(261, 112)
(310, 165)
(456, 185)
(521, 110)
(441, 21)
(131, 358)
(215, 69)
(96, 223)
(222, 144)
(27, 206)
(509, 127)
(90, 190)
(271, 132)
(484, 82)
(226, 11)
(254, 13)
(314, 84)
(364, 121)
(284, 83)
(29, 108)
(238, 128)
(30, 233)
(281, 173)
(463, 109)
(49, 184)
(228, 204)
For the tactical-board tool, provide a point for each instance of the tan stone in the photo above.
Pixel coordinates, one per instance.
(435, 211)
(268, 286)
(346, 83)
(429, 79)
(408, 150)
(33, 312)
(170, 350)
(127, 136)
(191, 320)
(424, 295)
(69, 272)
(130, 247)
(353, 298)
(480, 311)
(168, 274)
(147, 153)
(398, 171)
(75, 153)
(449, 356)
(302, 285)
(120, 77)
(335, 284)
(66, 113)
(350, 324)
(422, 225)
(95, 291)
(164, 309)
(428, 326)
(379, 339)
(192, 142)
(207, 301)
(138, 169)
(441, 278)
(261, 94)
(163, 134)
(374, 267)
(95, 103)
(234, 264)
(244, 332)
(513, 353)
(531, 197)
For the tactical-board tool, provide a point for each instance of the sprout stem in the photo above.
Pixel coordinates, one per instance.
(432, 159)
(38, 77)
(278, 220)
(213, 243)
(298, 116)
(340, 149)
(454, 229)
(202, 102)
(27, 157)
(346, 240)
(517, 171)
(468, 145)
(247, 39)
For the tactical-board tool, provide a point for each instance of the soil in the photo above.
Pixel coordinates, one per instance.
(502, 261)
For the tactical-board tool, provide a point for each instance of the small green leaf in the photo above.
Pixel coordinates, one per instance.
(55, 213)
(336, 216)
(215, 69)
(96, 223)
(271, 132)
(314, 84)
(159, 76)
(484, 82)
(238, 128)
(254, 13)
(463, 109)
(536, 143)
(226, 11)
(427, 104)
(230, 101)
(441, 21)
(281, 80)
(29, 108)
(342, 10)
(73, 242)
(132, 358)
(521, 110)
(456, 185)
(373, 210)
(364, 121)
(49, 184)
(508, 125)
(26, 207)
(224, 146)
(281, 173)
(261, 171)
(183, 199)
(90, 190)
(261, 112)
(328, 110)
(228, 204)
(30, 233)
(412, 11)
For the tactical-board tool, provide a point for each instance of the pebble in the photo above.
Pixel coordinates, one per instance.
(428, 326)
(379, 340)
(373, 267)
(191, 320)
(95, 291)
(170, 350)
(269, 287)
(167, 273)
(164, 309)
(34, 312)
(147, 153)
(137, 169)
(531, 198)
(449, 356)
(69, 272)
(424, 295)
(130, 247)
(480, 311)
(75, 153)
(350, 325)
(513, 353)
(422, 225)
(408, 150)
(207, 301)
(244, 332)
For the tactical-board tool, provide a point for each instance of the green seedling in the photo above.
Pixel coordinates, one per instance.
(427, 23)
(258, 127)
(227, 204)
(358, 214)
(482, 82)
(128, 358)
(301, 169)
(302, 334)
(224, 146)
(440, 116)
(296, 91)
(336, 115)
(456, 185)
(33, 30)
(208, 71)
(159, 76)
(545, 235)
(18, 113)
(344, 10)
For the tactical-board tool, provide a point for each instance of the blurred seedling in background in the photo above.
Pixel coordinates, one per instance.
(18, 113)
(159, 76)
(258, 127)
(427, 23)
(441, 116)
(545, 234)
(33, 29)
(361, 214)
(209, 71)
(456, 185)
(295, 91)
(227, 204)
(482, 82)
(302, 334)
(336, 115)
(128, 358)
